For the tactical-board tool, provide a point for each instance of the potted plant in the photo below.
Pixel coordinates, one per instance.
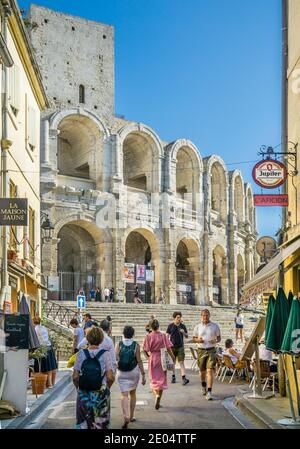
(39, 380)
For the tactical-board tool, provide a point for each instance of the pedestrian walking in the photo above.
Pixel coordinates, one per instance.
(98, 295)
(112, 295)
(177, 332)
(130, 366)
(87, 321)
(239, 325)
(92, 294)
(162, 297)
(78, 334)
(48, 363)
(93, 376)
(207, 334)
(137, 299)
(148, 325)
(108, 343)
(106, 294)
(153, 343)
(109, 332)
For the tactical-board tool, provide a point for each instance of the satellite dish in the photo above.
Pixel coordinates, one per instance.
(266, 247)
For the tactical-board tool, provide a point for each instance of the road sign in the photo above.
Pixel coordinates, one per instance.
(269, 173)
(271, 200)
(80, 301)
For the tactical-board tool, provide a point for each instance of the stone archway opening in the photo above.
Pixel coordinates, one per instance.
(187, 271)
(219, 191)
(78, 145)
(250, 208)
(138, 162)
(240, 276)
(77, 268)
(238, 199)
(141, 265)
(187, 176)
(219, 275)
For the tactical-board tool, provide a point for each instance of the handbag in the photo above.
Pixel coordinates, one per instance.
(166, 360)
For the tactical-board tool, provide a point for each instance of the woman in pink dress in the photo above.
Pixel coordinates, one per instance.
(153, 343)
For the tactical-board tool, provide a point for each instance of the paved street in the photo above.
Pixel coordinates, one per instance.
(182, 408)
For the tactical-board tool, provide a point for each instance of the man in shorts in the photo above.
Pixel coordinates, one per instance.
(207, 334)
(177, 332)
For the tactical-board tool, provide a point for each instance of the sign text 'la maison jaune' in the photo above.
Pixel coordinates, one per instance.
(13, 212)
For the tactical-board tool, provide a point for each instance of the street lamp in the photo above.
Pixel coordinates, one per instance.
(46, 227)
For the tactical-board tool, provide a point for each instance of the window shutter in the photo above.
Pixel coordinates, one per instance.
(14, 87)
(32, 128)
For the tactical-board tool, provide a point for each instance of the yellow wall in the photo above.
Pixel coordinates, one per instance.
(293, 74)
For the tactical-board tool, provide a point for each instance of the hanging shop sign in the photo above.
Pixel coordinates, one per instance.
(271, 200)
(269, 174)
(266, 247)
(13, 212)
(128, 272)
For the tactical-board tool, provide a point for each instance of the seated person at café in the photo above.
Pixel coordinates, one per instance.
(233, 354)
(267, 355)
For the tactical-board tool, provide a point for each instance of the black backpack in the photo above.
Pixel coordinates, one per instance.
(127, 358)
(91, 376)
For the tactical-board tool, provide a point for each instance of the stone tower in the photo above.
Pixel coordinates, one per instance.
(76, 59)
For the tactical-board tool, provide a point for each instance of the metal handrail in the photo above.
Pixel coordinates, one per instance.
(58, 313)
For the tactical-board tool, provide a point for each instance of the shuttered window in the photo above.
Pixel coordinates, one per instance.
(14, 89)
(32, 127)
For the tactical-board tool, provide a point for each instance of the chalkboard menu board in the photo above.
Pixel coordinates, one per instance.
(16, 328)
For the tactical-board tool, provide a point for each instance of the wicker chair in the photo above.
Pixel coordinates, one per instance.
(265, 375)
(237, 368)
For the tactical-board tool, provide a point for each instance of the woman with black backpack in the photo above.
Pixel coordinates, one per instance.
(130, 366)
(93, 376)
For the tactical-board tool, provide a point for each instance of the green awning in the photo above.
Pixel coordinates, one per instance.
(270, 311)
(278, 322)
(292, 333)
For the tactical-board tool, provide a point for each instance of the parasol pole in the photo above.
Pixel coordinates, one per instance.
(296, 382)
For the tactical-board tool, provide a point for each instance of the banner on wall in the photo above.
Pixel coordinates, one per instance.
(128, 273)
(141, 274)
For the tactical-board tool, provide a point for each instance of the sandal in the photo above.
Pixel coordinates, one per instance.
(125, 425)
(133, 419)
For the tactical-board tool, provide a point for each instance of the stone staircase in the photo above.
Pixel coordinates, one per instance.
(137, 315)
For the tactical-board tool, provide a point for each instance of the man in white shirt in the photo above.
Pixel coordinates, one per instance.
(207, 334)
(106, 294)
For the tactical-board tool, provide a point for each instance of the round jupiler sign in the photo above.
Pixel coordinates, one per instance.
(269, 174)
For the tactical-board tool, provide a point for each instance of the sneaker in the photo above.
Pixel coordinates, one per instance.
(204, 391)
(185, 381)
(208, 396)
(173, 381)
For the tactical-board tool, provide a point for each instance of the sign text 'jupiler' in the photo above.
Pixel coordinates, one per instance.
(13, 212)
(269, 174)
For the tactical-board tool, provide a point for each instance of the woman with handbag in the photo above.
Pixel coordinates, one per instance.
(158, 346)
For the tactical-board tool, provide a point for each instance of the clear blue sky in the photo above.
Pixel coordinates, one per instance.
(206, 70)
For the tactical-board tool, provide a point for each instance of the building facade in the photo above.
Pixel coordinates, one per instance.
(22, 100)
(128, 207)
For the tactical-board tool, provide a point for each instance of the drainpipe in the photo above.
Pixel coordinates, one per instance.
(5, 144)
(284, 94)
